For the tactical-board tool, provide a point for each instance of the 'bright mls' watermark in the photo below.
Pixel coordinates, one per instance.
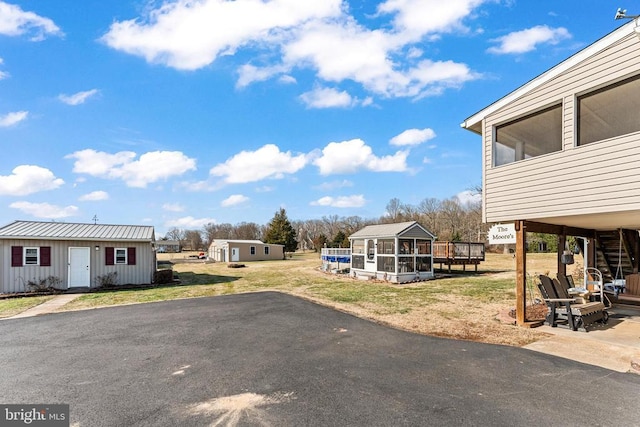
(34, 415)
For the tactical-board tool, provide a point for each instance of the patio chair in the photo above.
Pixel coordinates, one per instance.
(563, 309)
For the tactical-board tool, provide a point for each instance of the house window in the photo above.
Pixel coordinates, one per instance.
(121, 256)
(266, 250)
(534, 135)
(609, 112)
(252, 249)
(357, 247)
(31, 256)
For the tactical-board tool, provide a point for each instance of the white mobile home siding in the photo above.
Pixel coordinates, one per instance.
(14, 279)
(595, 178)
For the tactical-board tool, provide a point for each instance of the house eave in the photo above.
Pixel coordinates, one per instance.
(474, 122)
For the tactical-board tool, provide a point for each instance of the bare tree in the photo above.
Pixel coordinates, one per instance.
(394, 209)
(430, 212)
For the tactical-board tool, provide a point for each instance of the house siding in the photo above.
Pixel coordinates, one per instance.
(600, 177)
(14, 279)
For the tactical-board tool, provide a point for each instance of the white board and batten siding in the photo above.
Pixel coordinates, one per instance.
(600, 177)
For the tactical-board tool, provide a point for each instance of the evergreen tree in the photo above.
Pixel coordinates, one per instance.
(280, 231)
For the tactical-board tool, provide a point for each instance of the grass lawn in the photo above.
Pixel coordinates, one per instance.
(12, 306)
(462, 306)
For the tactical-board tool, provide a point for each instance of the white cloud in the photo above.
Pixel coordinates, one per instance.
(413, 137)
(77, 98)
(527, 40)
(189, 35)
(467, 196)
(94, 196)
(285, 35)
(15, 22)
(351, 156)
(3, 74)
(189, 222)
(416, 18)
(233, 200)
(45, 210)
(173, 207)
(326, 98)
(149, 168)
(355, 201)
(28, 179)
(266, 162)
(11, 119)
(334, 185)
(340, 51)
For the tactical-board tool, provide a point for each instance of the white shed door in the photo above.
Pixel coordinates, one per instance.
(79, 272)
(235, 254)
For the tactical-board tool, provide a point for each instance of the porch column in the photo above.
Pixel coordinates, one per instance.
(521, 272)
(562, 241)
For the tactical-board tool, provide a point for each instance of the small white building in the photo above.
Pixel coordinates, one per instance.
(244, 250)
(396, 253)
(74, 255)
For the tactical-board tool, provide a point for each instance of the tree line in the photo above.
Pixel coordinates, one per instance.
(448, 220)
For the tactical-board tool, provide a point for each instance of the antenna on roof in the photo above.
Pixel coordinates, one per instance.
(95, 219)
(622, 14)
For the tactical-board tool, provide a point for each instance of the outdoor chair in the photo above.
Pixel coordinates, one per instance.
(563, 309)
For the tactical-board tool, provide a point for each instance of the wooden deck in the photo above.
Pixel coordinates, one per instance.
(458, 253)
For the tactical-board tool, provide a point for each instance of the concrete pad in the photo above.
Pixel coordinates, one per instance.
(47, 307)
(613, 346)
(593, 352)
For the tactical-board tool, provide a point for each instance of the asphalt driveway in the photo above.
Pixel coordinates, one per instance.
(272, 359)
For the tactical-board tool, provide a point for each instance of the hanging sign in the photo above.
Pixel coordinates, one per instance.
(502, 234)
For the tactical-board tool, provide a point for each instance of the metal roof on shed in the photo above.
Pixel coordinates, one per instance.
(75, 231)
(388, 230)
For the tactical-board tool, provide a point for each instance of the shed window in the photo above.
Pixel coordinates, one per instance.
(252, 250)
(405, 246)
(387, 264)
(121, 255)
(609, 112)
(424, 247)
(31, 256)
(266, 250)
(386, 246)
(357, 261)
(534, 135)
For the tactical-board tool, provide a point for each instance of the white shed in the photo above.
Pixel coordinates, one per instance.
(70, 255)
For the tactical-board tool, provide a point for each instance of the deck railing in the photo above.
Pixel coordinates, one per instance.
(458, 251)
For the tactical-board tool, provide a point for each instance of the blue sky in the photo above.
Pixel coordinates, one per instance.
(184, 112)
